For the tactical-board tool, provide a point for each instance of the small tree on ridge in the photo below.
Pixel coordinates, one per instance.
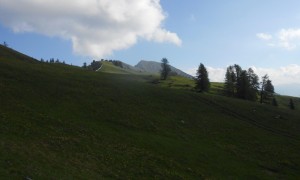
(267, 89)
(165, 68)
(202, 81)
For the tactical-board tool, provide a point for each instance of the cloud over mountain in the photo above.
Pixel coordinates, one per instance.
(95, 27)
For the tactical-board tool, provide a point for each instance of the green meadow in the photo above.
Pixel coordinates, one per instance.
(64, 122)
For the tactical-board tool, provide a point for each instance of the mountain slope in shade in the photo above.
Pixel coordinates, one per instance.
(67, 122)
(127, 66)
(155, 67)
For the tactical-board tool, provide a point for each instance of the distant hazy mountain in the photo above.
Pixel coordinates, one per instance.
(155, 67)
(127, 66)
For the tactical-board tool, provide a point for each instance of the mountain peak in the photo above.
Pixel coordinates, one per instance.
(155, 67)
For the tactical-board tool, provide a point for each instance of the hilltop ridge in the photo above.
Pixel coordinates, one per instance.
(143, 66)
(155, 67)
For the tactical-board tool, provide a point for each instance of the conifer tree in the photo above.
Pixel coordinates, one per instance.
(202, 81)
(291, 104)
(5, 44)
(84, 65)
(238, 71)
(243, 85)
(232, 77)
(267, 89)
(230, 80)
(165, 68)
(95, 65)
(253, 85)
(274, 102)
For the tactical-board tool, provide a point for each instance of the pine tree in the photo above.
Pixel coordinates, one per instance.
(292, 105)
(5, 44)
(253, 85)
(166, 69)
(95, 65)
(269, 87)
(274, 102)
(240, 85)
(84, 65)
(232, 77)
(230, 80)
(202, 81)
(238, 70)
(267, 90)
(243, 85)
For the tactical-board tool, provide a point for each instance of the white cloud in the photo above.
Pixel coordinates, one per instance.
(288, 39)
(264, 36)
(281, 76)
(162, 35)
(215, 74)
(95, 27)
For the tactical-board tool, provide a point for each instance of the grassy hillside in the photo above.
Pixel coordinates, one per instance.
(216, 88)
(283, 102)
(63, 122)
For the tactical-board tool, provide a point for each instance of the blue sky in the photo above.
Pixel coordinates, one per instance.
(252, 33)
(220, 33)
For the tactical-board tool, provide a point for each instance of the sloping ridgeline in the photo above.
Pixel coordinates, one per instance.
(64, 122)
(155, 68)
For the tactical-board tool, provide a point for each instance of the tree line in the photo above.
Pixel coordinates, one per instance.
(94, 65)
(238, 83)
(244, 84)
(52, 60)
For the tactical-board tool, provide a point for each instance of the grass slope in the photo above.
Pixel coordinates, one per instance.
(62, 122)
(216, 88)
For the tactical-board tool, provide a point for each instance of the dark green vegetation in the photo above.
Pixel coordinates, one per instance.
(64, 122)
(267, 90)
(241, 83)
(291, 105)
(165, 69)
(202, 81)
